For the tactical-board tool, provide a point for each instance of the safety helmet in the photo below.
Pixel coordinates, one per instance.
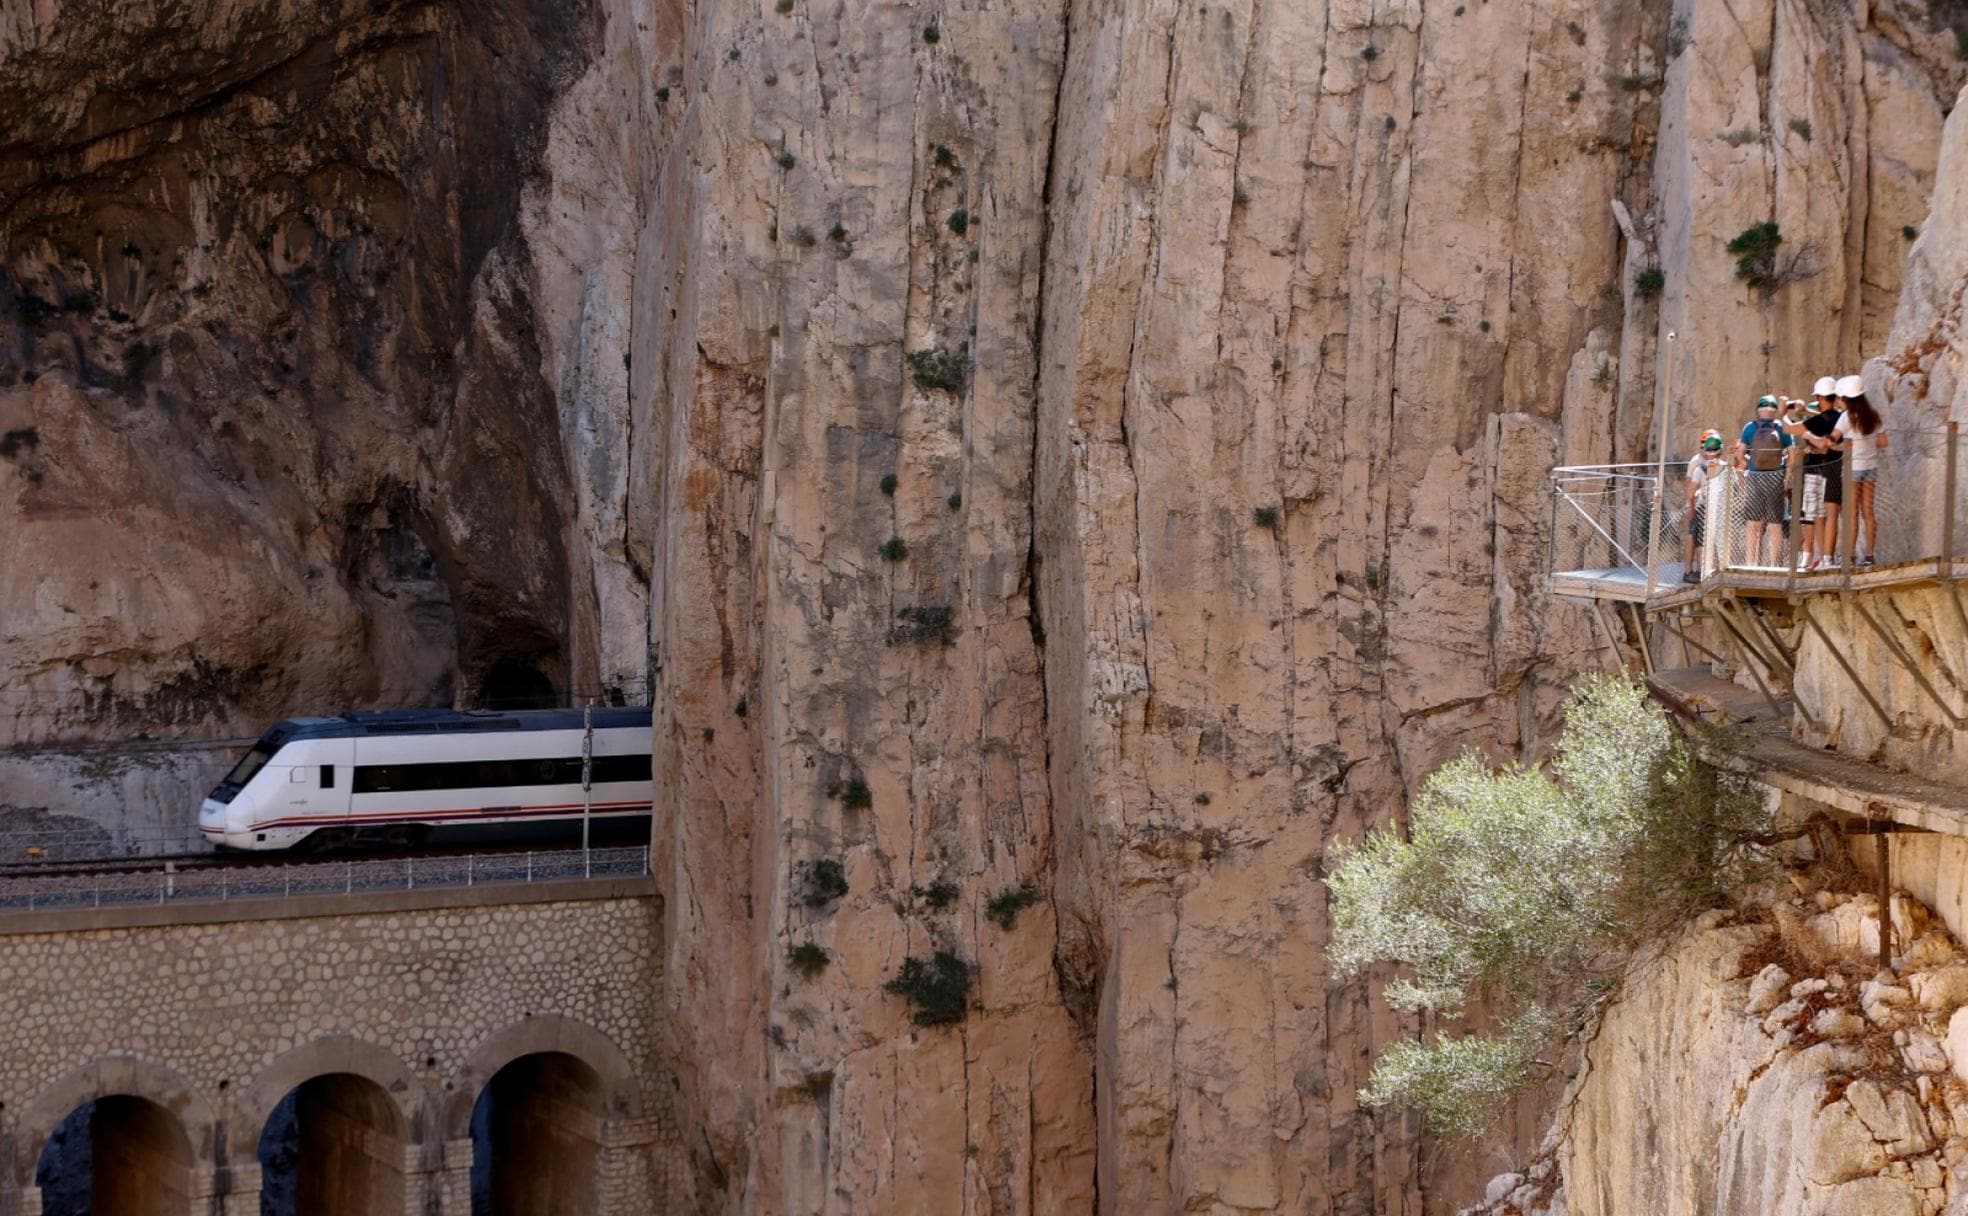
(1711, 440)
(1851, 386)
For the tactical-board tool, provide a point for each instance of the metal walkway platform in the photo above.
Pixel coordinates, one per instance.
(1756, 741)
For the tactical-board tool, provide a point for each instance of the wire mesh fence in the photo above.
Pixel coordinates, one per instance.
(1639, 530)
(168, 884)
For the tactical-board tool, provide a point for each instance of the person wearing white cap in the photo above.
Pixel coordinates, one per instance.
(1824, 466)
(1864, 433)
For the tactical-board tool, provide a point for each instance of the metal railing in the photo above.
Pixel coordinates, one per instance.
(1609, 526)
(168, 883)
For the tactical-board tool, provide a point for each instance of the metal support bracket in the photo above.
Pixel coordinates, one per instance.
(1906, 660)
(1690, 642)
(1885, 718)
(1639, 623)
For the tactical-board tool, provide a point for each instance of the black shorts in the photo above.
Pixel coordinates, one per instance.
(1695, 529)
(1763, 497)
(1834, 475)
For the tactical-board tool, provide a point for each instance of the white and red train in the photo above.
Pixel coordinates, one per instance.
(405, 777)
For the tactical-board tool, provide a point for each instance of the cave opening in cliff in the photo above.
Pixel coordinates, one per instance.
(119, 1155)
(517, 684)
(333, 1145)
(536, 1138)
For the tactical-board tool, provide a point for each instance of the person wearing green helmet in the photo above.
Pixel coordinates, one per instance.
(1764, 448)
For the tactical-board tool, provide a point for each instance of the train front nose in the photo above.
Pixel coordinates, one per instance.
(214, 821)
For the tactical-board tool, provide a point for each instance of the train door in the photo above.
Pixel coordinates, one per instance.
(318, 778)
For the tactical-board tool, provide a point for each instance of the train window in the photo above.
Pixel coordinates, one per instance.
(376, 779)
(494, 773)
(327, 776)
(249, 765)
(621, 768)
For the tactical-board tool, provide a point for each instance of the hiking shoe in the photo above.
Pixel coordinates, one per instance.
(1691, 576)
(1866, 560)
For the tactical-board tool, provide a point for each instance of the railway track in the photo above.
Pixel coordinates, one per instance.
(49, 865)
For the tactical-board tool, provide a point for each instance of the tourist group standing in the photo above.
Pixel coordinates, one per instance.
(1837, 434)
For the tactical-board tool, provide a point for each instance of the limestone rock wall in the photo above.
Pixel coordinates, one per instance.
(1277, 318)
(1217, 355)
(301, 408)
(1723, 1082)
(1922, 377)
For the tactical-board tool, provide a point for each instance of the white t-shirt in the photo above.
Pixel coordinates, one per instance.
(1863, 448)
(1699, 470)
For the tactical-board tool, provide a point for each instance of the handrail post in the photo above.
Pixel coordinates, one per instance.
(529, 865)
(1660, 482)
(1947, 512)
(1848, 528)
(348, 877)
(1552, 548)
(1793, 515)
(1722, 530)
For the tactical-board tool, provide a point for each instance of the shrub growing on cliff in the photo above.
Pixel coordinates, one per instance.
(822, 882)
(1648, 282)
(938, 989)
(807, 959)
(937, 895)
(1531, 887)
(1755, 251)
(940, 369)
(1003, 908)
(925, 623)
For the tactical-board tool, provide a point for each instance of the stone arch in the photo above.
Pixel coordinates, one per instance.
(108, 1076)
(324, 1056)
(551, 1032)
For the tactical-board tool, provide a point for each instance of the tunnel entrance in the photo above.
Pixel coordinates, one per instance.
(536, 1138)
(116, 1156)
(332, 1147)
(516, 684)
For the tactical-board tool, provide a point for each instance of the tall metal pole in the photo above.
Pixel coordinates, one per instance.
(587, 785)
(1660, 483)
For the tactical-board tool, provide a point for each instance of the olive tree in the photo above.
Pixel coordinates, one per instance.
(1532, 886)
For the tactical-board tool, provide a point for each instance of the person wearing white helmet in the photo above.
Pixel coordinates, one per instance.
(1864, 434)
(1824, 467)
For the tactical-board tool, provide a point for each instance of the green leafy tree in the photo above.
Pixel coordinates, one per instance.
(1532, 887)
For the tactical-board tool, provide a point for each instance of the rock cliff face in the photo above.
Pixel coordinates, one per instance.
(298, 410)
(1768, 1064)
(1083, 455)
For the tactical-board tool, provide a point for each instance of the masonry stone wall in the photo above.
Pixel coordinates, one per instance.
(217, 1022)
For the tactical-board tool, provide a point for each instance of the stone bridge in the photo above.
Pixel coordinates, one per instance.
(375, 1053)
